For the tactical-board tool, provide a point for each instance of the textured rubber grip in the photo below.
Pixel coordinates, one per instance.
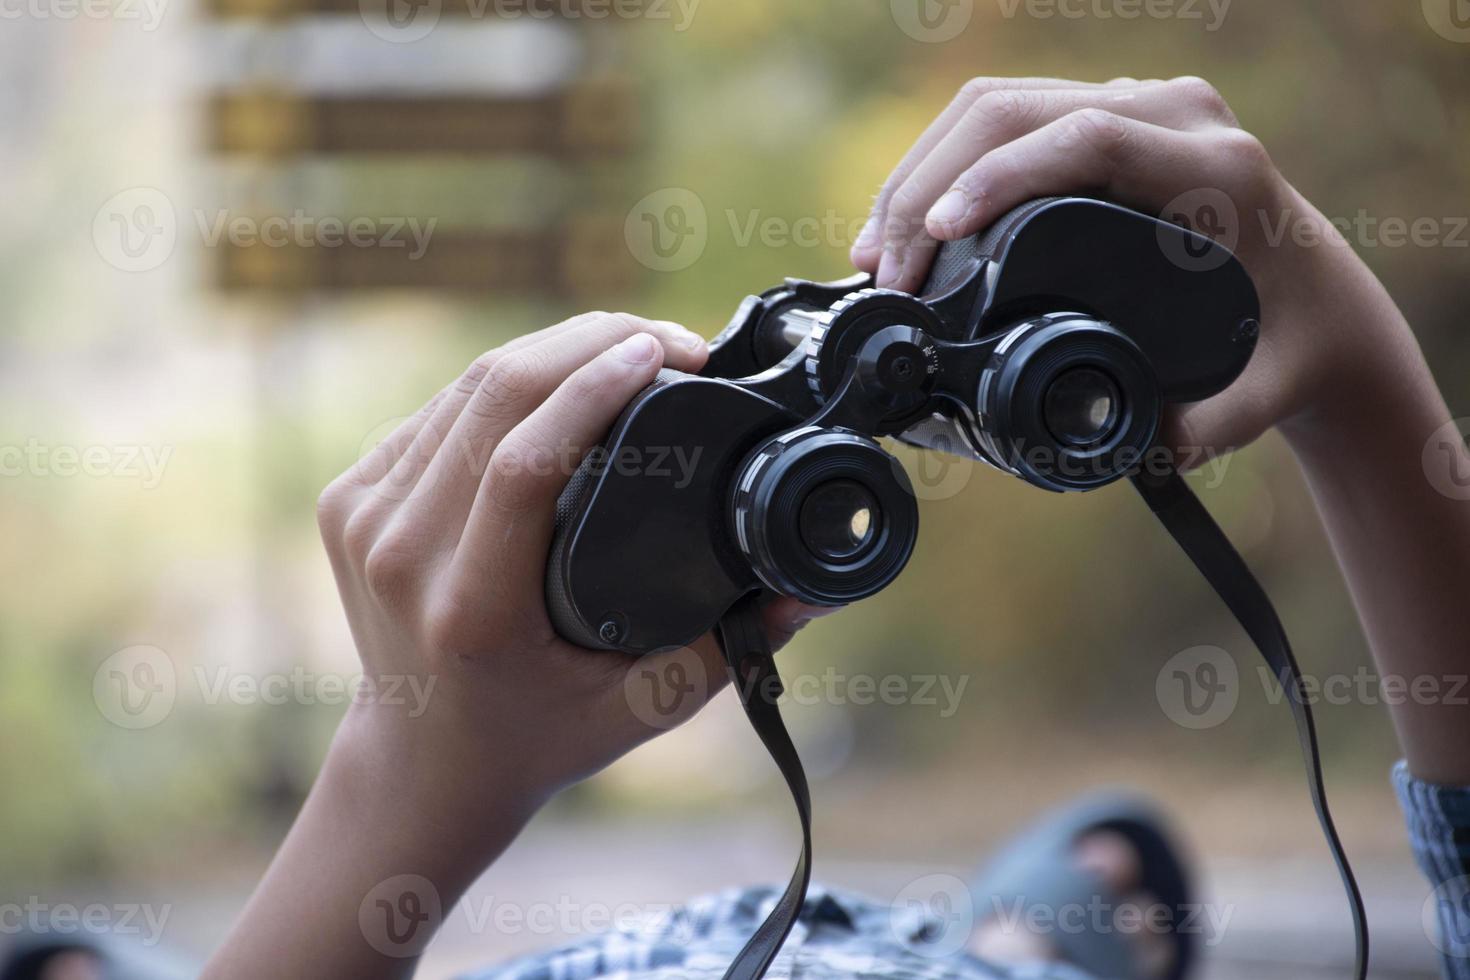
(569, 506)
(955, 259)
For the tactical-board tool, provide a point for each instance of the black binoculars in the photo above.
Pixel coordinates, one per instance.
(1047, 347)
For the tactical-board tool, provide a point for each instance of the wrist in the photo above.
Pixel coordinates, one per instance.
(452, 805)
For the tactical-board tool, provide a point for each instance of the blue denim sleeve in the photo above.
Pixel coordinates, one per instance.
(1439, 830)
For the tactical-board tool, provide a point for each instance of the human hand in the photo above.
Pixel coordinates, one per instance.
(1174, 149)
(439, 538)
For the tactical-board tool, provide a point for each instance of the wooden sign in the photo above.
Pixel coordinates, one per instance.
(589, 258)
(590, 119)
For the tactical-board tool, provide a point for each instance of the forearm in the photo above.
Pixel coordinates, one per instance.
(1402, 543)
(379, 854)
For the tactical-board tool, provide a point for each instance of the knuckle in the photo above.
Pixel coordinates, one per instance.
(475, 373)
(976, 87)
(510, 380)
(619, 326)
(1202, 95)
(446, 628)
(388, 569)
(905, 213)
(332, 506)
(1007, 111)
(359, 534)
(1104, 131)
(1242, 151)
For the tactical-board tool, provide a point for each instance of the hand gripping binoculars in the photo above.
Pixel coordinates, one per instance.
(1048, 346)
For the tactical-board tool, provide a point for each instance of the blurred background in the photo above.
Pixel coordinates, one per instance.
(249, 235)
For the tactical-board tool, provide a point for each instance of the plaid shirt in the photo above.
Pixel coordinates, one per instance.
(837, 935)
(842, 935)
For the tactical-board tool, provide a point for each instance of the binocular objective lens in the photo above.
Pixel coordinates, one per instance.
(839, 520)
(1082, 406)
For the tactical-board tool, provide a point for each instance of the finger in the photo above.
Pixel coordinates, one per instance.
(1134, 163)
(408, 453)
(867, 251)
(508, 529)
(521, 381)
(785, 617)
(450, 454)
(928, 197)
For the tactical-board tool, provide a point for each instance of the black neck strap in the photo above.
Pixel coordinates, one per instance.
(1196, 532)
(753, 671)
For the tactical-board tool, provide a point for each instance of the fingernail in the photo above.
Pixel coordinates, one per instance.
(868, 237)
(890, 268)
(950, 209)
(690, 339)
(637, 349)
